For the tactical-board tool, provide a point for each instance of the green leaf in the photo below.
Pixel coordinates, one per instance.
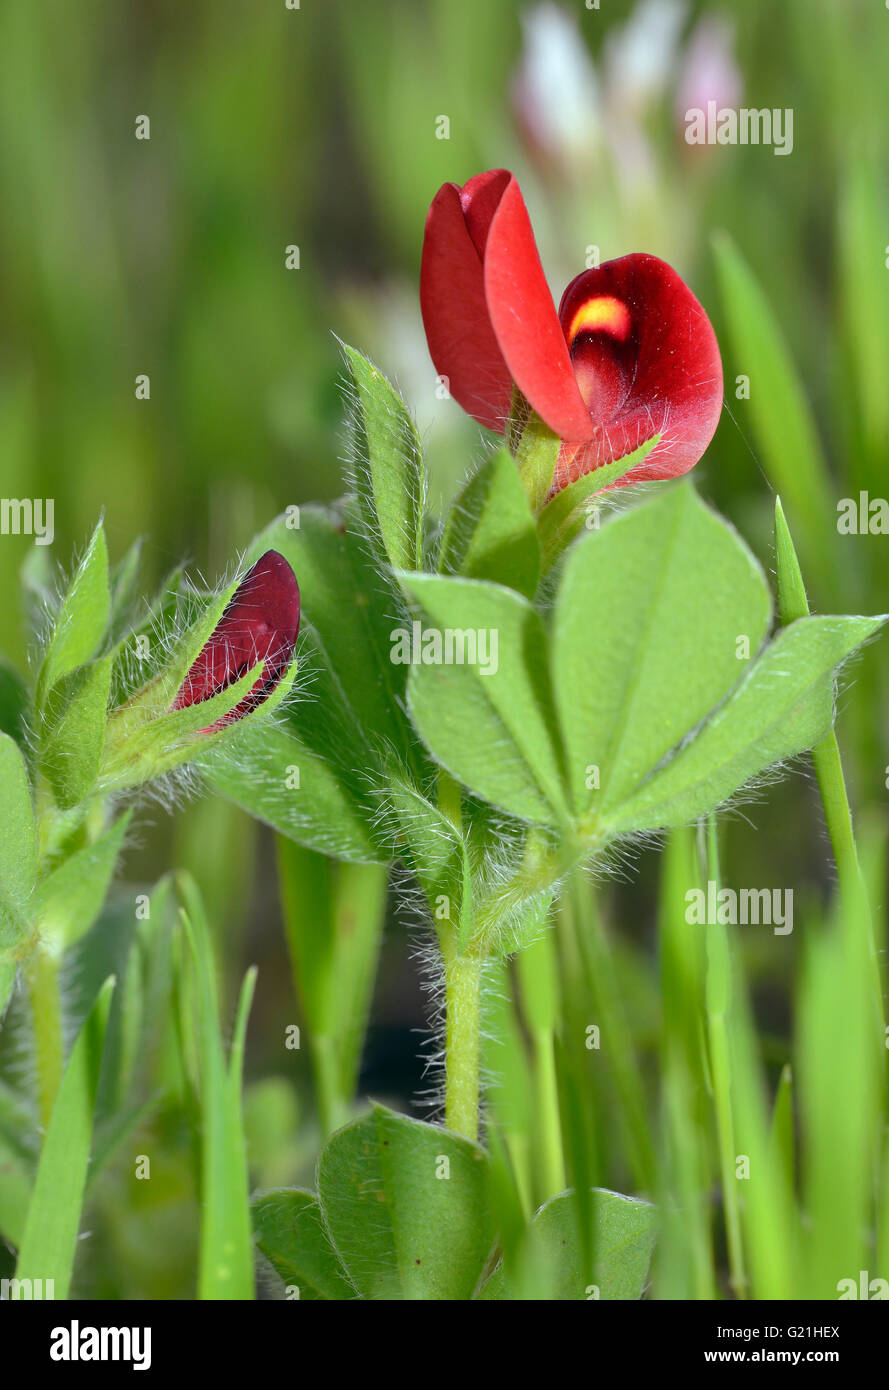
(792, 600)
(15, 1191)
(18, 845)
(322, 812)
(16, 1162)
(488, 720)
(349, 610)
(388, 468)
(143, 996)
(9, 966)
(75, 719)
(81, 625)
(405, 1204)
(142, 743)
(490, 531)
(14, 704)
(566, 514)
(784, 705)
(50, 1236)
(431, 847)
(782, 419)
(622, 1240)
(226, 1252)
(68, 901)
(290, 1233)
(648, 616)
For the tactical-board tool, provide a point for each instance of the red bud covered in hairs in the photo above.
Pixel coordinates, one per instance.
(260, 624)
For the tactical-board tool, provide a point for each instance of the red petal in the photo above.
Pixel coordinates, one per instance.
(260, 623)
(461, 340)
(524, 319)
(657, 372)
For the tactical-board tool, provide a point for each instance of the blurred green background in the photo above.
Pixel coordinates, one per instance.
(319, 128)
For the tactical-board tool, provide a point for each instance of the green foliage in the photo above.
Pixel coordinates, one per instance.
(696, 1032)
(344, 739)
(783, 706)
(785, 430)
(333, 920)
(69, 899)
(487, 717)
(569, 511)
(74, 732)
(14, 703)
(404, 1203)
(226, 1261)
(388, 468)
(321, 812)
(49, 1240)
(648, 619)
(553, 1263)
(18, 844)
(863, 315)
(490, 531)
(666, 704)
(291, 1234)
(15, 1165)
(81, 625)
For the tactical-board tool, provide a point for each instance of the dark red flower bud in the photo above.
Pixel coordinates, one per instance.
(260, 623)
(631, 353)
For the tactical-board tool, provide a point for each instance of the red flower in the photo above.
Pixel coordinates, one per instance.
(260, 623)
(630, 353)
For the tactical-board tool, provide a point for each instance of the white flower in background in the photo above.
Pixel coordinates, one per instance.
(640, 56)
(555, 91)
(638, 66)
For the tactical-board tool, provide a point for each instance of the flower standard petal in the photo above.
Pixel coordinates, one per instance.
(525, 321)
(461, 341)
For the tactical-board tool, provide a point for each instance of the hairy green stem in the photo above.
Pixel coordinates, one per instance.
(463, 981)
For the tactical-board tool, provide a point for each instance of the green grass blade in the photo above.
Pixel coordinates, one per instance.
(333, 921)
(684, 1260)
(783, 427)
(50, 1238)
(226, 1247)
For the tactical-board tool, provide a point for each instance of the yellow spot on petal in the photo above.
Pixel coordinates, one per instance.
(604, 314)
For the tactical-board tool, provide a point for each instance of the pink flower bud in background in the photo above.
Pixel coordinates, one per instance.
(708, 71)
